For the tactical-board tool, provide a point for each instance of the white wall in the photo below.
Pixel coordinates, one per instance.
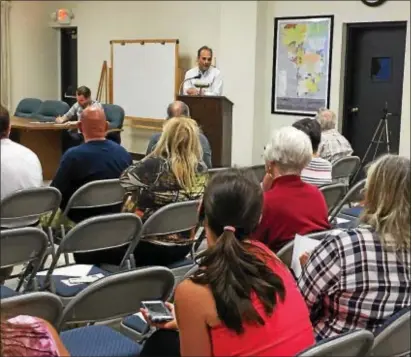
(33, 51)
(236, 59)
(345, 12)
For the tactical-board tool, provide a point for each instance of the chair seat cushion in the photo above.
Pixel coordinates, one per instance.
(135, 323)
(353, 211)
(181, 263)
(99, 341)
(6, 292)
(61, 275)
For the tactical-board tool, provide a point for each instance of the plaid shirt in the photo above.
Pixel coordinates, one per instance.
(352, 281)
(333, 146)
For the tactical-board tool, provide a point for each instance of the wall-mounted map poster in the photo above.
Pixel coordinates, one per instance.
(302, 54)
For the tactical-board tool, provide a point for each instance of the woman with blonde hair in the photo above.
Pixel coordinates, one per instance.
(360, 277)
(172, 172)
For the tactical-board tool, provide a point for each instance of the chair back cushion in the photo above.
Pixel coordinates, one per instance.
(50, 109)
(114, 115)
(27, 107)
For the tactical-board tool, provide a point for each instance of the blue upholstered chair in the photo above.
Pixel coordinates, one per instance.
(27, 107)
(115, 116)
(50, 109)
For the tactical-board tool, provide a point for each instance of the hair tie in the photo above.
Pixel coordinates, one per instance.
(229, 228)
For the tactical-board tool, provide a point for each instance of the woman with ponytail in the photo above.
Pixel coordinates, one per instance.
(242, 301)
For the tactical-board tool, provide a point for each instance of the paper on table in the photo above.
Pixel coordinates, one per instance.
(301, 244)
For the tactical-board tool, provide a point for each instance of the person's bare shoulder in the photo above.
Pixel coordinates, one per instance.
(198, 299)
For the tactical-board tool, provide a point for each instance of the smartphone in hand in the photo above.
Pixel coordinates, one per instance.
(158, 311)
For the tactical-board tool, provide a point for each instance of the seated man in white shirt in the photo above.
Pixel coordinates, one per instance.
(20, 169)
(204, 74)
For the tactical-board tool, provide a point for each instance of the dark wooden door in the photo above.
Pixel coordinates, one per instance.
(373, 82)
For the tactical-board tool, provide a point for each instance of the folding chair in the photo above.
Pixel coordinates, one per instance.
(92, 195)
(24, 207)
(170, 219)
(286, 252)
(22, 246)
(344, 168)
(136, 327)
(93, 234)
(393, 338)
(355, 343)
(173, 218)
(353, 195)
(44, 305)
(100, 302)
(333, 194)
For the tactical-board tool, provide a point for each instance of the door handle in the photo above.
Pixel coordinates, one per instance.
(354, 110)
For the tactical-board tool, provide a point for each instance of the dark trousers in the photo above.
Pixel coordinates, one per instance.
(163, 343)
(71, 138)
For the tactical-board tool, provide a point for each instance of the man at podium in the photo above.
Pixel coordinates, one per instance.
(204, 79)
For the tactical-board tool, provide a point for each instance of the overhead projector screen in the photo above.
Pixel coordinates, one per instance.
(144, 77)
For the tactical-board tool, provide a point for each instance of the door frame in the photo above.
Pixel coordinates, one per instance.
(351, 29)
(59, 55)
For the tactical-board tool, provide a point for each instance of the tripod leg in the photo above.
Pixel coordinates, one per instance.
(379, 141)
(368, 149)
(388, 145)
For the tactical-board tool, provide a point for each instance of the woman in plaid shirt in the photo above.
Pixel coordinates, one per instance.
(359, 278)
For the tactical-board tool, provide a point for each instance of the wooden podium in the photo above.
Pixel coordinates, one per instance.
(214, 116)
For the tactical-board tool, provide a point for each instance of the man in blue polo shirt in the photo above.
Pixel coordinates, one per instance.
(96, 159)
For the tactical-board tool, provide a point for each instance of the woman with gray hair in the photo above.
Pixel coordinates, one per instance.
(333, 145)
(356, 279)
(291, 206)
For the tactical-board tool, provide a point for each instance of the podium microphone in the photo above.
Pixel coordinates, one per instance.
(188, 79)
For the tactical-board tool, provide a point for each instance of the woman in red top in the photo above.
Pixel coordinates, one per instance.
(242, 301)
(291, 206)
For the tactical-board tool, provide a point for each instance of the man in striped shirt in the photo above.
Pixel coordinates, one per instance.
(319, 171)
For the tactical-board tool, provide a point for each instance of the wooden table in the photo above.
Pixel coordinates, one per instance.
(42, 138)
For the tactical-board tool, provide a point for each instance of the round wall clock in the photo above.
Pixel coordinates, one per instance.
(373, 3)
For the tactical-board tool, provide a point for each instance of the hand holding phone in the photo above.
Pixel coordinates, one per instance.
(159, 314)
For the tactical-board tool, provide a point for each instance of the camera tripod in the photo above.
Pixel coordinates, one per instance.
(380, 136)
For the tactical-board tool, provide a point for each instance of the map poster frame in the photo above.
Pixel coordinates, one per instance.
(297, 91)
